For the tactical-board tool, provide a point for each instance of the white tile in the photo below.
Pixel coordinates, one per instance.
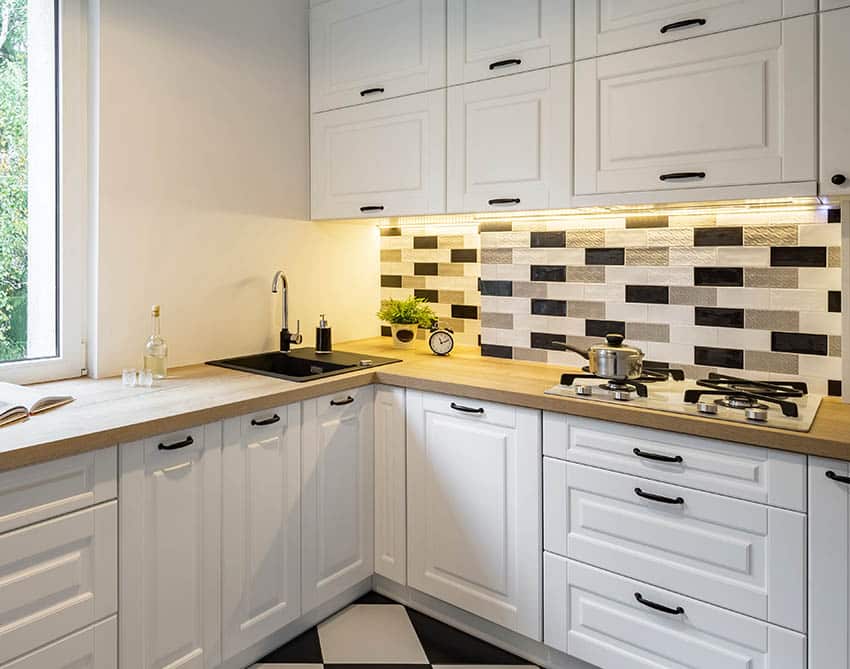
(634, 313)
(623, 274)
(820, 366)
(504, 305)
(743, 256)
(626, 238)
(695, 335)
(670, 313)
(682, 354)
(605, 292)
(566, 291)
(371, 633)
(749, 340)
(403, 268)
(670, 276)
(797, 299)
(743, 298)
(826, 278)
(820, 322)
(451, 282)
(824, 234)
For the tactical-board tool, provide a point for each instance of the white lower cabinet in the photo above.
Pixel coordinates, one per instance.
(261, 526)
(829, 563)
(170, 556)
(337, 544)
(474, 533)
(95, 647)
(390, 485)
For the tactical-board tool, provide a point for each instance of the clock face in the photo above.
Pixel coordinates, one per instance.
(441, 342)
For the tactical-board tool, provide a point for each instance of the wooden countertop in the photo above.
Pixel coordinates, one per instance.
(106, 413)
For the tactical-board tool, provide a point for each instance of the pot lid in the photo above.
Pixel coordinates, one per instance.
(614, 344)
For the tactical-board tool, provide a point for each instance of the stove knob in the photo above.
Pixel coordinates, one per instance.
(584, 391)
(622, 395)
(707, 407)
(757, 414)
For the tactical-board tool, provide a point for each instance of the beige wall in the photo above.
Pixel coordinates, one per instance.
(202, 185)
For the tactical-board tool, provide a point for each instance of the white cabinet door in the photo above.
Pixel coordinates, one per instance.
(834, 103)
(383, 159)
(829, 563)
(337, 509)
(390, 484)
(509, 142)
(95, 647)
(736, 108)
(833, 4)
(170, 520)
(365, 50)
(261, 523)
(489, 38)
(473, 476)
(608, 26)
(57, 577)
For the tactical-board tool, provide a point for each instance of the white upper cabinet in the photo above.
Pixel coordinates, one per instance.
(609, 26)
(834, 103)
(261, 523)
(735, 108)
(509, 142)
(365, 50)
(489, 38)
(382, 159)
(474, 486)
(833, 4)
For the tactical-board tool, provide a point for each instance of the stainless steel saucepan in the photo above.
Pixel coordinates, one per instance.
(612, 359)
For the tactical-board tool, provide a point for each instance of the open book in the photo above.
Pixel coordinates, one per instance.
(19, 402)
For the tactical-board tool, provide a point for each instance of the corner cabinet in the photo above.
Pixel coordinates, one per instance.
(390, 484)
(337, 548)
(834, 103)
(169, 551)
(474, 519)
(261, 526)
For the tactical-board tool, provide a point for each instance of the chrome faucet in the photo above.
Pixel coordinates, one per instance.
(286, 337)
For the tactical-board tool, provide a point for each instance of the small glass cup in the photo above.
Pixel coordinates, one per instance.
(128, 377)
(145, 378)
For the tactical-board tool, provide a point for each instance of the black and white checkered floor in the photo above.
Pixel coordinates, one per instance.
(377, 631)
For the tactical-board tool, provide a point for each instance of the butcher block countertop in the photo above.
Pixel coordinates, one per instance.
(106, 413)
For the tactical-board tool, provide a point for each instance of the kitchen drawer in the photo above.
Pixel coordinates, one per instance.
(608, 627)
(95, 647)
(732, 109)
(742, 556)
(608, 26)
(31, 494)
(57, 577)
(764, 475)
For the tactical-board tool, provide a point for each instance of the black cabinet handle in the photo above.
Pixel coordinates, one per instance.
(460, 407)
(657, 456)
(505, 63)
(659, 607)
(504, 200)
(371, 91)
(340, 403)
(188, 441)
(659, 498)
(373, 207)
(672, 176)
(838, 179)
(836, 477)
(687, 23)
(267, 421)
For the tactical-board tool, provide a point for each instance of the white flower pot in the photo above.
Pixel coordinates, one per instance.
(404, 336)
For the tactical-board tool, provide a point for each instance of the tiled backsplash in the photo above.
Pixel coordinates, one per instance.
(728, 292)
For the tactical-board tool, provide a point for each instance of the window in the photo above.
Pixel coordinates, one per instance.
(41, 222)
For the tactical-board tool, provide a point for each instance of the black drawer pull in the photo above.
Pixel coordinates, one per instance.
(371, 91)
(672, 176)
(504, 200)
(687, 23)
(188, 441)
(374, 207)
(657, 456)
(838, 179)
(836, 477)
(340, 403)
(506, 62)
(266, 421)
(659, 607)
(460, 407)
(659, 498)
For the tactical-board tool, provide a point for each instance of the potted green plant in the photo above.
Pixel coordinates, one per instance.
(404, 317)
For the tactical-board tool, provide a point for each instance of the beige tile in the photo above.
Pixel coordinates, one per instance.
(497, 256)
(391, 255)
(451, 296)
(770, 235)
(497, 321)
(835, 346)
(586, 239)
(582, 309)
(834, 256)
(530, 355)
(413, 282)
(743, 256)
(648, 257)
(504, 240)
(450, 241)
(457, 325)
(589, 274)
(771, 277)
(425, 255)
(763, 319)
(766, 361)
(450, 269)
(648, 332)
(670, 237)
(703, 296)
(631, 238)
(530, 289)
(822, 234)
(652, 221)
(694, 257)
(371, 633)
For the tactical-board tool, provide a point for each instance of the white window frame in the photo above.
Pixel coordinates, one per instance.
(72, 198)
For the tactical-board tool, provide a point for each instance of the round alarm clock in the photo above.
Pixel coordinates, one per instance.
(441, 340)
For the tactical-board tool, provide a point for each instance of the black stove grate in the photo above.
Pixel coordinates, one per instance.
(638, 385)
(735, 388)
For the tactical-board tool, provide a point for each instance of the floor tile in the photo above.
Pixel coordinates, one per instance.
(484, 666)
(366, 633)
(445, 645)
(304, 649)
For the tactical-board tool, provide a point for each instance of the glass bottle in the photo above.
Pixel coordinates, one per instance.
(156, 349)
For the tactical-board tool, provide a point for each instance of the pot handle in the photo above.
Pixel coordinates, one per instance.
(614, 339)
(569, 347)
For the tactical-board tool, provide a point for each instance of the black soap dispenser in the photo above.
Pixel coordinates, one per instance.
(323, 336)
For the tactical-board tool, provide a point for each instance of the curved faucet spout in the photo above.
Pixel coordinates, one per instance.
(286, 337)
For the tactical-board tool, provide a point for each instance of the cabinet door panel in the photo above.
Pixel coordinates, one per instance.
(834, 103)
(383, 159)
(487, 37)
(337, 494)
(833, 4)
(729, 109)
(609, 26)
(473, 509)
(509, 140)
(361, 45)
(95, 647)
(390, 484)
(261, 521)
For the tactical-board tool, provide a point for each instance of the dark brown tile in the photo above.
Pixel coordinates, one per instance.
(718, 276)
(494, 351)
(594, 328)
(553, 239)
(733, 236)
(800, 342)
(464, 311)
(833, 215)
(499, 226)
(605, 256)
(497, 288)
(547, 341)
(427, 295)
(390, 281)
(834, 299)
(428, 242)
(719, 317)
(390, 232)
(648, 294)
(729, 358)
(464, 255)
(798, 256)
(425, 269)
(549, 307)
(834, 388)
(548, 273)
